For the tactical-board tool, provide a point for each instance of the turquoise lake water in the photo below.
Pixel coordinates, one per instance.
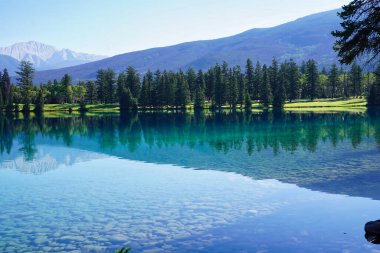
(176, 182)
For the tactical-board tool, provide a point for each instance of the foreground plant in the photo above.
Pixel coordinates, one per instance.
(123, 250)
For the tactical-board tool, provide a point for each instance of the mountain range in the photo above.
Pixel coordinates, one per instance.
(302, 39)
(42, 56)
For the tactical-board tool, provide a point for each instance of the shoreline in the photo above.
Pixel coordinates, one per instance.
(318, 105)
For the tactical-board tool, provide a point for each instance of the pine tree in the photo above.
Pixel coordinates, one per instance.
(257, 79)
(39, 106)
(126, 101)
(161, 91)
(333, 81)
(146, 90)
(265, 91)
(66, 83)
(373, 97)
(312, 79)
(201, 82)
(7, 87)
(277, 83)
(110, 86)
(218, 94)
(323, 71)
(252, 86)
(133, 82)
(242, 90)
(293, 81)
(182, 92)
(56, 92)
(105, 85)
(25, 81)
(91, 93)
(170, 84)
(121, 84)
(225, 90)
(360, 31)
(199, 98)
(149, 76)
(155, 88)
(356, 80)
(303, 86)
(273, 76)
(100, 86)
(233, 89)
(191, 80)
(210, 84)
(303, 68)
(279, 91)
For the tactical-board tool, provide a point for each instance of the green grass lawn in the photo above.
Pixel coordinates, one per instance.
(75, 107)
(338, 102)
(328, 105)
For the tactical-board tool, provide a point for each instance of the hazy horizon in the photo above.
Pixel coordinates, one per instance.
(106, 36)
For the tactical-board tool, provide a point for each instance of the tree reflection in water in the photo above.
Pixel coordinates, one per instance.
(222, 131)
(329, 152)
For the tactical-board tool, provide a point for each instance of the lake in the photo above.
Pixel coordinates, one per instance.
(177, 182)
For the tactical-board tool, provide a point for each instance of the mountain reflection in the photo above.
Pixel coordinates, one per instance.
(321, 151)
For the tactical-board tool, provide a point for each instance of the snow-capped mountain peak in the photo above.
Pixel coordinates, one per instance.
(45, 56)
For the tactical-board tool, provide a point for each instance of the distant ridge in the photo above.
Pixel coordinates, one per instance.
(43, 56)
(302, 39)
(8, 62)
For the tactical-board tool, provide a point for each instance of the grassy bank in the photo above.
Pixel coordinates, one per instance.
(322, 103)
(325, 105)
(346, 104)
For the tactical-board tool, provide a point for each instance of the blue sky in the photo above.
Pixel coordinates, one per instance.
(112, 27)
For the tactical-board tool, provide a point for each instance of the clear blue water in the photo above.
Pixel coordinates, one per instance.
(189, 183)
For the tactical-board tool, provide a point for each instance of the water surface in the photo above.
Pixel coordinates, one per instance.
(159, 182)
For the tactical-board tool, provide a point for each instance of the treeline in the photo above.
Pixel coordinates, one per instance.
(219, 86)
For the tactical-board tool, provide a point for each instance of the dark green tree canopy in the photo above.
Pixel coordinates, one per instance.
(360, 32)
(6, 87)
(216, 88)
(25, 74)
(39, 105)
(374, 93)
(25, 81)
(133, 81)
(66, 80)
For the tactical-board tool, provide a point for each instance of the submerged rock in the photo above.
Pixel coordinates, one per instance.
(372, 231)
